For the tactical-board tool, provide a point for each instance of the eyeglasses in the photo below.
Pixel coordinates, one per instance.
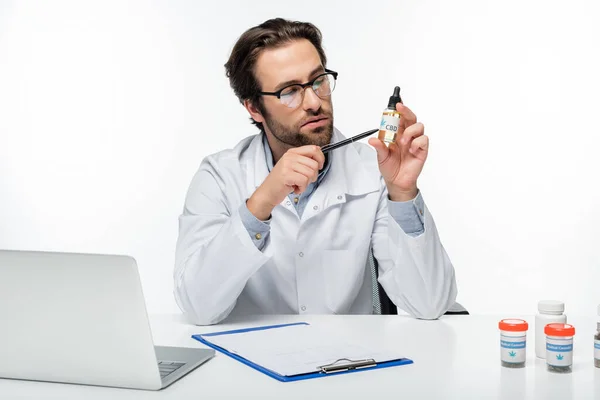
(293, 95)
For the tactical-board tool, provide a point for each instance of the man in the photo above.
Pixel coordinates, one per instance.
(275, 227)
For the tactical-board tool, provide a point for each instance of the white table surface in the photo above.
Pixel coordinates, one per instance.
(455, 357)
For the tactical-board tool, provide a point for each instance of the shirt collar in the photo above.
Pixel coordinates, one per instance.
(353, 173)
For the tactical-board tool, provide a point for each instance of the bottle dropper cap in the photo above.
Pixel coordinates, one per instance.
(395, 98)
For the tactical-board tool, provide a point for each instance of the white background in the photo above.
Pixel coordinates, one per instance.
(108, 107)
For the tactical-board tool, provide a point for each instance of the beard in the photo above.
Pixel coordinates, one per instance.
(292, 136)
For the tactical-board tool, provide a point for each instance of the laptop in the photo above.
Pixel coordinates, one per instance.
(81, 319)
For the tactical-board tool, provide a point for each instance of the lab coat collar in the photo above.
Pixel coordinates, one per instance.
(350, 172)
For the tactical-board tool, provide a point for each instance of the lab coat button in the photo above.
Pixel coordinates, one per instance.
(301, 254)
(315, 208)
(339, 197)
(303, 308)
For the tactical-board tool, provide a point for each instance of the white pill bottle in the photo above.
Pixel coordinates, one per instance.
(549, 312)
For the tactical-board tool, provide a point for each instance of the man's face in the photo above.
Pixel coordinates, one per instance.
(311, 122)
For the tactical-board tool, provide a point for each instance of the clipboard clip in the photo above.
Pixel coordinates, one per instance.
(345, 364)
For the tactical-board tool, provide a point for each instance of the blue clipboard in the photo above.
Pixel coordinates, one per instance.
(333, 369)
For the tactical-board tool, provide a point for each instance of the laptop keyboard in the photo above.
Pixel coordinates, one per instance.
(166, 368)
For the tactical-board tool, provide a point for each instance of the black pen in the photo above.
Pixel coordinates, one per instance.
(344, 142)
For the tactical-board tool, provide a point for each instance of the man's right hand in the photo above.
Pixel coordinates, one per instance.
(296, 169)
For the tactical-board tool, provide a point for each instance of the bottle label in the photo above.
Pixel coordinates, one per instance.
(559, 352)
(389, 124)
(597, 349)
(513, 349)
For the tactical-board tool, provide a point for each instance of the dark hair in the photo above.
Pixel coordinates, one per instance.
(270, 34)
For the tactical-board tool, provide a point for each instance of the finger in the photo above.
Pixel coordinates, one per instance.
(413, 131)
(408, 116)
(310, 173)
(309, 162)
(419, 146)
(311, 151)
(297, 180)
(407, 119)
(383, 152)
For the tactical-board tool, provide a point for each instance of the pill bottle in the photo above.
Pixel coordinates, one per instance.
(549, 312)
(597, 342)
(513, 340)
(559, 347)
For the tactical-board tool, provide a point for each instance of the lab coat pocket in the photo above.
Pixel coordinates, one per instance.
(344, 275)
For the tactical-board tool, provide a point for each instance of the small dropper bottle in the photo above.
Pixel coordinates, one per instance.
(390, 120)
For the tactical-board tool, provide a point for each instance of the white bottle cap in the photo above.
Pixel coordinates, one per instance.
(552, 306)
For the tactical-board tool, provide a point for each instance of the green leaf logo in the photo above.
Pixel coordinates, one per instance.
(512, 354)
(559, 357)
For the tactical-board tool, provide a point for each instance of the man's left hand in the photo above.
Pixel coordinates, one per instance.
(402, 162)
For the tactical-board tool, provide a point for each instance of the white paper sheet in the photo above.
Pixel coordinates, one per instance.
(297, 349)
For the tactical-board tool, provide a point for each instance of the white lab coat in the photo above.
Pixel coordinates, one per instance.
(316, 264)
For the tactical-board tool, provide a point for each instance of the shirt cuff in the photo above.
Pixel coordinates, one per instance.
(257, 229)
(409, 214)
